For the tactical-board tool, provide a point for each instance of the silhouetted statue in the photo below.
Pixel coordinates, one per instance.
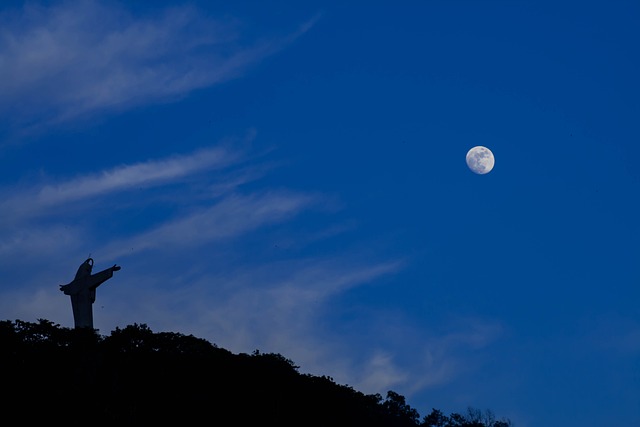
(83, 292)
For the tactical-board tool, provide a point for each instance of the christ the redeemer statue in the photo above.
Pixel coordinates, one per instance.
(83, 292)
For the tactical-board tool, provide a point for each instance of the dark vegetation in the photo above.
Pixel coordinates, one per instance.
(51, 373)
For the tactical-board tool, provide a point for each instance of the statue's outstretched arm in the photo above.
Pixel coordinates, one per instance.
(99, 278)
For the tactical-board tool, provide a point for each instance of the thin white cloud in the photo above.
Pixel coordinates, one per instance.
(64, 60)
(412, 359)
(230, 217)
(381, 373)
(152, 172)
(36, 241)
(37, 201)
(272, 306)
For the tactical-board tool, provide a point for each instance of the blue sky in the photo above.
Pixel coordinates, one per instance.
(291, 177)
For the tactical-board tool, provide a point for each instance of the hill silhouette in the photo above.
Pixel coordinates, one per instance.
(52, 373)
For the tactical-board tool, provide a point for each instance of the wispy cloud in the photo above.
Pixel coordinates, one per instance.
(150, 173)
(64, 60)
(36, 241)
(29, 202)
(230, 217)
(194, 199)
(271, 306)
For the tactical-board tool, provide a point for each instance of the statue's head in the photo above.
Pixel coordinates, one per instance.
(85, 268)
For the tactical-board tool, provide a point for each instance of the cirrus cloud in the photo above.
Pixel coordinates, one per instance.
(69, 59)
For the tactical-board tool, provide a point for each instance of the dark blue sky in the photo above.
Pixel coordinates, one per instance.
(291, 177)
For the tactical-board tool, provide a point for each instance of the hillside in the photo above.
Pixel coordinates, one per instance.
(52, 373)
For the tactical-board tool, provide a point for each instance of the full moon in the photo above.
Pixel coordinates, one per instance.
(480, 160)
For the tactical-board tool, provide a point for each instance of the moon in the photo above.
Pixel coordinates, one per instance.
(480, 160)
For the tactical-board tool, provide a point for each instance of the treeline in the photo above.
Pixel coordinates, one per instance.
(52, 373)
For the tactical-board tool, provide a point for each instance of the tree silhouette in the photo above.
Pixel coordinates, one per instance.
(473, 418)
(396, 407)
(56, 374)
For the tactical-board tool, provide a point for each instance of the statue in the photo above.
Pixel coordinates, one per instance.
(83, 292)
